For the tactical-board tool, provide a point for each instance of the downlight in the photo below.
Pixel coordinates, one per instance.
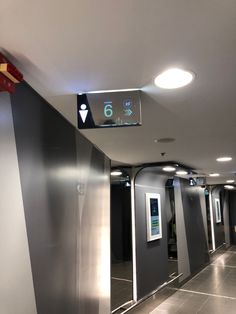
(214, 174)
(165, 140)
(116, 173)
(229, 187)
(224, 159)
(230, 181)
(181, 172)
(169, 169)
(174, 78)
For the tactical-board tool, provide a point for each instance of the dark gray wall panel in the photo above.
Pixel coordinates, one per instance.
(16, 282)
(194, 224)
(66, 193)
(47, 160)
(93, 254)
(121, 248)
(232, 216)
(151, 257)
(218, 227)
(182, 244)
(117, 248)
(204, 213)
(225, 197)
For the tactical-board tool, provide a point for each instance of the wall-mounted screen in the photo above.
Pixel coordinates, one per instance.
(153, 216)
(217, 210)
(108, 110)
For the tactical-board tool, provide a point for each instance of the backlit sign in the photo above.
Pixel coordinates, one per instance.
(108, 110)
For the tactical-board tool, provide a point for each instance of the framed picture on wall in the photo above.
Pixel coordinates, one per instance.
(217, 210)
(153, 216)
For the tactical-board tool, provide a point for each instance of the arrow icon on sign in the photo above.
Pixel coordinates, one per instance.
(128, 112)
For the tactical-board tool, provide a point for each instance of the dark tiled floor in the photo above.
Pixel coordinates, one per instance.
(212, 291)
(172, 266)
(121, 292)
(121, 284)
(122, 270)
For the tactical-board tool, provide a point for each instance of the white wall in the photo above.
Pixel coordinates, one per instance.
(16, 284)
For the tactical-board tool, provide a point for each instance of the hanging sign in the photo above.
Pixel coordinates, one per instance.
(108, 110)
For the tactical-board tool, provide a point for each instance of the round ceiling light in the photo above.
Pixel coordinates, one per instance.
(229, 187)
(223, 159)
(173, 78)
(116, 173)
(168, 169)
(181, 172)
(214, 174)
(230, 181)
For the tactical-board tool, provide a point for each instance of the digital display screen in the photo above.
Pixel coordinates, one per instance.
(114, 109)
(155, 223)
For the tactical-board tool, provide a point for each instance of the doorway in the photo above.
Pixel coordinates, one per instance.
(121, 242)
(171, 229)
(209, 231)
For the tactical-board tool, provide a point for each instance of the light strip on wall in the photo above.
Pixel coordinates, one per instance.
(212, 222)
(113, 91)
(133, 237)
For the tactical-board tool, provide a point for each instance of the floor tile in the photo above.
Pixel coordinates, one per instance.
(212, 291)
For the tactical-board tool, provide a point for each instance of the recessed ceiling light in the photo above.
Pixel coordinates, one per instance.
(166, 140)
(230, 181)
(222, 159)
(229, 187)
(169, 169)
(214, 174)
(116, 173)
(173, 78)
(181, 172)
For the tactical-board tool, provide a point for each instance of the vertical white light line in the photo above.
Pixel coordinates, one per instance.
(212, 221)
(133, 236)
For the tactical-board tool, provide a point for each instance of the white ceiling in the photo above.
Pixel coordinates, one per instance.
(64, 47)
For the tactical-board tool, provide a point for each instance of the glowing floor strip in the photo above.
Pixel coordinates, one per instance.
(135, 297)
(208, 294)
(121, 279)
(218, 265)
(212, 221)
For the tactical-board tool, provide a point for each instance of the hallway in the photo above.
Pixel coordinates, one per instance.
(211, 291)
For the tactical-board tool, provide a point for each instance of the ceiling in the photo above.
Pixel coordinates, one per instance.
(65, 47)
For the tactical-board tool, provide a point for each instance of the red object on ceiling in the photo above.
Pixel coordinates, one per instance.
(9, 75)
(6, 85)
(11, 72)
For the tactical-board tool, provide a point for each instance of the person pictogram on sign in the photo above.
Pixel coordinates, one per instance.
(83, 112)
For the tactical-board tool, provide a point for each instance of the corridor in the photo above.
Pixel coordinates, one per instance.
(211, 291)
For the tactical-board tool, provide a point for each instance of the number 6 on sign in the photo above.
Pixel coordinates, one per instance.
(108, 110)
